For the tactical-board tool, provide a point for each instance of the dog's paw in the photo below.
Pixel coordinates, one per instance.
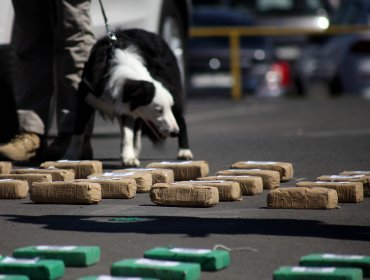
(185, 154)
(130, 162)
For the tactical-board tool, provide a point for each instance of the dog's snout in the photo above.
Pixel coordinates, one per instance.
(174, 134)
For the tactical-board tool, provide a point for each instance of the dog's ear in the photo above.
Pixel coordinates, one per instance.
(138, 93)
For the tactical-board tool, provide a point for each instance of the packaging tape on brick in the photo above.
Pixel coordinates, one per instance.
(72, 256)
(347, 191)
(82, 168)
(227, 190)
(114, 187)
(284, 168)
(66, 192)
(184, 170)
(35, 269)
(249, 185)
(317, 273)
(364, 179)
(270, 178)
(338, 260)
(355, 172)
(56, 174)
(13, 189)
(29, 178)
(164, 270)
(13, 277)
(5, 167)
(159, 175)
(143, 180)
(109, 277)
(184, 195)
(302, 198)
(209, 260)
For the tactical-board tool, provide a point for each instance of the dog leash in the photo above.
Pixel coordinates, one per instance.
(110, 34)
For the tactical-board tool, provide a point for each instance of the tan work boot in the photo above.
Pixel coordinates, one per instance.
(21, 148)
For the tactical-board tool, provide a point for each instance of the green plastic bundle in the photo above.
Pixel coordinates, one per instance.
(336, 260)
(164, 270)
(209, 260)
(317, 273)
(35, 269)
(108, 277)
(72, 256)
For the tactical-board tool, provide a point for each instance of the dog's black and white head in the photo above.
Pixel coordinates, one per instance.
(136, 93)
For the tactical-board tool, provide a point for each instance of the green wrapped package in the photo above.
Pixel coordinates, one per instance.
(35, 269)
(13, 277)
(317, 273)
(336, 260)
(209, 260)
(108, 277)
(72, 256)
(164, 270)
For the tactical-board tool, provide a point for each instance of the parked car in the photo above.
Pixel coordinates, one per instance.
(268, 74)
(339, 64)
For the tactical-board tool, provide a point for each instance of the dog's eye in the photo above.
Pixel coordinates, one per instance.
(159, 110)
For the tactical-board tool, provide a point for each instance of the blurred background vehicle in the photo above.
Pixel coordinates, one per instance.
(338, 64)
(266, 62)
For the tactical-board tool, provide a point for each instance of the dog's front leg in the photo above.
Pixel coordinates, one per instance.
(184, 151)
(128, 155)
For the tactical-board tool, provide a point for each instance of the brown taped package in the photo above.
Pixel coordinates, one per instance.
(159, 175)
(355, 172)
(5, 167)
(143, 180)
(56, 174)
(13, 189)
(270, 178)
(227, 190)
(114, 187)
(284, 168)
(302, 198)
(82, 168)
(30, 178)
(364, 179)
(65, 192)
(249, 185)
(347, 191)
(184, 195)
(184, 170)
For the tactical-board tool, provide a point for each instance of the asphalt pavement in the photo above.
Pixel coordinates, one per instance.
(318, 136)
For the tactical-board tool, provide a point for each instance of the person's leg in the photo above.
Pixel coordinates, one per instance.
(73, 41)
(33, 46)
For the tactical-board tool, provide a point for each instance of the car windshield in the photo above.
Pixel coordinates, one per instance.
(269, 7)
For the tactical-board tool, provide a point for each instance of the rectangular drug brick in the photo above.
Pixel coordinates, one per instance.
(65, 192)
(82, 168)
(347, 191)
(184, 195)
(114, 187)
(364, 179)
(159, 175)
(209, 260)
(56, 174)
(184, 170)
(338, 260)
(72, 256)
(35, 269)
(227, 190)
(5, 167)
(13, 189)
(284, 168)
(302, 198)
(144, 180)
(249, 185)
(270, 178)
(317, 273)
(164, 270)
(29, 178)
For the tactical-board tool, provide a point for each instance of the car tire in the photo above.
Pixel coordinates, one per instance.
(172, 29)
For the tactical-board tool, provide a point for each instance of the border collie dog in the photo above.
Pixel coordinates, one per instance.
(136, 79)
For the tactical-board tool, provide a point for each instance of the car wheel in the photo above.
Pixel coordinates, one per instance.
(172, 29)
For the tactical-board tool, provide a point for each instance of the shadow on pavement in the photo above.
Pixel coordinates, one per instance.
(196, 227)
